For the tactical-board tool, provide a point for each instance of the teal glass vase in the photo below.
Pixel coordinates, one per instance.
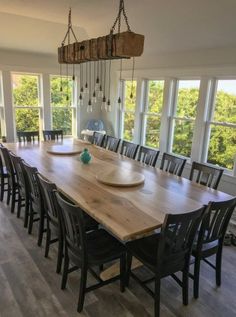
(85, 156)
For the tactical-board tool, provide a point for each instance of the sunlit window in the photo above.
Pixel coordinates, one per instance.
(184, 116)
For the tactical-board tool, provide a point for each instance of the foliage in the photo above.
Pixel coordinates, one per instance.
(25, 94)
(222, 144)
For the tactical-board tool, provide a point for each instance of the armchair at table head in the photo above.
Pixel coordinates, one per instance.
(95, 125)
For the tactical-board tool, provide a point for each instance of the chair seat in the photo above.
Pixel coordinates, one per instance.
(207, 248)
(145, 250)
(102, 247)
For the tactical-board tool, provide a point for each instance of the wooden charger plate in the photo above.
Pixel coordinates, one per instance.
(120, 178)
(64, 150)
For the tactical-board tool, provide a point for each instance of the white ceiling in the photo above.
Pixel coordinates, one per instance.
(169, 26)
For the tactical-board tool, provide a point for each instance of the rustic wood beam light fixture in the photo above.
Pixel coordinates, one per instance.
(96, 52)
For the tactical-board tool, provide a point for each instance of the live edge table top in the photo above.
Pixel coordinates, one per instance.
(127, 212)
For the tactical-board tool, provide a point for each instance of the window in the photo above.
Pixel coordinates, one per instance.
(152, 113)
(222, 125)
(26, 101)
(187, 94)
(61, 103)
(128, 111)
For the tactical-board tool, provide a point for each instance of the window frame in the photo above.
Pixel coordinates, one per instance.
(39, 107)
(72, 106)
(209, 122)
(172, 115)
(144, 111)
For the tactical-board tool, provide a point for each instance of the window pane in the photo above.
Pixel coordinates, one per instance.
(27, 119)
(62, 119)
(225, 103)
(61, 91)
(25, 90)
(187, 98)
(155, 96)
(222, 146)
(130, 102)
(128, 126)
(183, 135)
(153, 124)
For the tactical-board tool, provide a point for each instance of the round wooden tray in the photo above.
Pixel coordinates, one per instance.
(120, 178)
(64, 150)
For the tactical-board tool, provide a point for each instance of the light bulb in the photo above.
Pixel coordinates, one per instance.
(104, 104)
(81, 101)
(94, 98)
(108, 105)
(86, 89)
(100, 92)
(97, 85)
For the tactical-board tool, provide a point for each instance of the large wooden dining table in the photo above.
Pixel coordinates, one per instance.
(127, 212)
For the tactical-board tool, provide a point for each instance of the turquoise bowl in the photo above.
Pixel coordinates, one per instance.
(85, 156)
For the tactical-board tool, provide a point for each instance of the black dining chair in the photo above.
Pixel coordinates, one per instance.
(98, 139)
(148, 156)
(211, 237)
(23, 188)
(53, 135)
(172, 164)
(28, 136)
(85, 250)
(166, 253)
(3, 176)
(206, 175)
(36, 208)
(111, 143)
(12, 189)
(54, 226)
(129, 149)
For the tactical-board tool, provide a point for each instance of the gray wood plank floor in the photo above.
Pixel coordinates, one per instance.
(30, 287)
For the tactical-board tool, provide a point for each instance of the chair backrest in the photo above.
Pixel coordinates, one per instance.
(215, 221)
(148, 156)
(47, 190)
(34, 189)
(98, 138)
(111, 143)
(172, 164)
(52, 135)
(20, 174)
(129, 149)
(206, 175)
(28, 136)
(1, 161)
(73, 228)
(95, 125)
(9, 166)
(176, 240)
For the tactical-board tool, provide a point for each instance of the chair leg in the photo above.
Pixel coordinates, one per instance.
(2, 189)
(82, 290)
(26, 218)
(13, 200)
(218, 266)
(196, 277)
(185, 286)
(48, 238)
(31, 218)
(60, 254)
(41, 230)
(8, 194)
(65, 271)
(122, 272)
(157, 296)
(19, 206)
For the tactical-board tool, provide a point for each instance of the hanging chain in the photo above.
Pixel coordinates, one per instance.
(118, 18)
(70, 29)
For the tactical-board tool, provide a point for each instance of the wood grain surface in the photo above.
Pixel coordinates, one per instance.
(130, 212)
